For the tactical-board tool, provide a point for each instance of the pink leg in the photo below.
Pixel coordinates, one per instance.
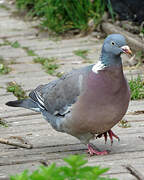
(105, 137)
(92, 151)
(111, 135)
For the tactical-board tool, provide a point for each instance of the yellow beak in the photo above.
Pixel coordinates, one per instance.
(126, 50)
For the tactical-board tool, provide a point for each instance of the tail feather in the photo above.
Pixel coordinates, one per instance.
(14, 103)
(25, 103)
(56, 122)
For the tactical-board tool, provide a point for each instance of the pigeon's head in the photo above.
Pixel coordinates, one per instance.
(116, 44)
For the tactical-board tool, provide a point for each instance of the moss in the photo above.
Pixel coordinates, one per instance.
(4, 69)
(29, 52)
(82, 53)
(17, 90)
(49, 64)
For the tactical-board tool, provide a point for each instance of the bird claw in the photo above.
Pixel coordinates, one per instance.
(111, 135)
(92, 151)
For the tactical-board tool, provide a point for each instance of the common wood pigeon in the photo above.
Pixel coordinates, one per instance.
(88, 101)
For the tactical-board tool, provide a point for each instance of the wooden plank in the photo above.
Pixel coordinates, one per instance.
(53, 147)
(116, 168)
(136, 173)
(123, 176)
(49, 145)
(7, 171)
(18, 168)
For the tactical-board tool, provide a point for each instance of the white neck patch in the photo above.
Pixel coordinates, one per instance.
(97, 67)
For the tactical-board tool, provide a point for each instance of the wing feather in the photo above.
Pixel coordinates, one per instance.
(58, 96)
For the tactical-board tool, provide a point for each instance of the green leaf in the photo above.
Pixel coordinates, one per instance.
(23, 176)
(98, 171)
(76, 171)
(15, 44)
(75, 161)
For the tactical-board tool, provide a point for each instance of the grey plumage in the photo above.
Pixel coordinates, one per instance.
(59, 94)
(87, 101)
(55, 99)
(26, 103)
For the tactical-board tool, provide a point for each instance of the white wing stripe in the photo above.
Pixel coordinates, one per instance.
(39, 98)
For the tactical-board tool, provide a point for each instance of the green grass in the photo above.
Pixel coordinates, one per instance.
(14, 44)
(76, 168)
(3, 6)
(41, 60)
(29, 52)
(111, 11)
(140, 58)
(62, 15)
(136, 88)
(4, 69)
(3, 123)
(82, 53)
(142, 30)
(17, 90)
(49, 64)
(50, 68)
(5, 43)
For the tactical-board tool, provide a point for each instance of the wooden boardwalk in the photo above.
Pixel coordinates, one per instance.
(126, 158)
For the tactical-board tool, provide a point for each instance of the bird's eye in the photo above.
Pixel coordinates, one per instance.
(113, 43)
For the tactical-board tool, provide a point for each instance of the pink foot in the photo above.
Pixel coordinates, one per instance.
(111, 135)
(92, 151)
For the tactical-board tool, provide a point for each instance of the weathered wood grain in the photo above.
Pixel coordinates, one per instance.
(48, 145)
